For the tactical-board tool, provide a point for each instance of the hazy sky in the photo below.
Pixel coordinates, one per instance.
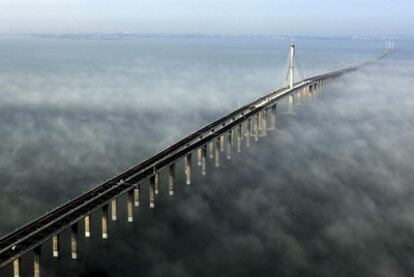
(290, 17)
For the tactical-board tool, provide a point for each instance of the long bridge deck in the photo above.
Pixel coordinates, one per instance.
(32, 235)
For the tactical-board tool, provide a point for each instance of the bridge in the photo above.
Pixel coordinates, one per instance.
(246, 123)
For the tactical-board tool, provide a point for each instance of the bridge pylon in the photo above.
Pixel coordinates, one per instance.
(292, 65)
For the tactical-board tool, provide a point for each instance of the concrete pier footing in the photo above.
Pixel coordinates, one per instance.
(74, 241)
(56, 245)
(188, 164)
(171, 177)
(104, 221)
(87, 221)
(152, 192)
(130, 205)
(36, 261)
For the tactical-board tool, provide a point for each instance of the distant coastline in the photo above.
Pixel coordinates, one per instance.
(126, 35)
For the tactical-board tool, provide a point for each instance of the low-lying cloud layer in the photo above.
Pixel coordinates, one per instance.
(329, 193)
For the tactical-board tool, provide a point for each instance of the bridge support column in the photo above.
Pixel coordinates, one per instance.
(229, 146)
(152, 192)
(264, 122)
(114, 209)
(104, 221)
(36, 261)
(222, 143)
(130, 205)
(199, 156)
(273, 116)
(217, 152)
(291, 100)
(305, 93)
(56, 245)
(87, 221)
(203, 160)
(74, 241)
(239, 137)
(259, 121)
(171, 177)
(256, 127)
(137, 195)
(248, 131)
(188, 169)
(211, 149)
(310, 88)
(297, 99)
(16, 267)
(157, 183)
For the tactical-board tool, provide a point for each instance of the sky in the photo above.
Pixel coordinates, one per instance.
(263, 17)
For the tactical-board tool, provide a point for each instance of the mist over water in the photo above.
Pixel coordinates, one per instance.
(329, 193)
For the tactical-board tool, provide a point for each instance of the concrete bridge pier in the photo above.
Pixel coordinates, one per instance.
(239, 137)
(291, 100)
(36, 260)
(114, 213)
(204, 160)
(87, 221)
(16, 267)
(256, 127)
(211, 149)
(305, 93)
(199, 156)
(297, 97)
(171, 177)
(74, 241)
(264, 122)
(259, 121)
(157, 183)
(217, 153)
(152, 192)
(130, 205)
(188, 169)
(137, 195)
(321, 87)
(56, 245)
(248, 131)
(273, 116)
(310, 89)
(104, 221)
(222, 143)
(229, 146)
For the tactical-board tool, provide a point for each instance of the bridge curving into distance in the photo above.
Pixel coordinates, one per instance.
(245, 123)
